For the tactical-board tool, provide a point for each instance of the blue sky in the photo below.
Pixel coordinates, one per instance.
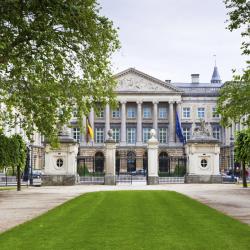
(171, 39)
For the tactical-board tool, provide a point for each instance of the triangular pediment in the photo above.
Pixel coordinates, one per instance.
(132, 80)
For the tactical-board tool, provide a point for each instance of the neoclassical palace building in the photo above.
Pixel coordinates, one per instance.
(146, 102)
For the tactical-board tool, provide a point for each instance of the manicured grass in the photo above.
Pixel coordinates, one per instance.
(130, 220)
(7, 188)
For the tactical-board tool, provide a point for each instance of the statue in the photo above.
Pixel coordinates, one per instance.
(152, 133)
(110, 134)
(203, 130)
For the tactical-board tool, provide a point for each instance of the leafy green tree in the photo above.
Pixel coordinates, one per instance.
(234, 102)
(239, 17)
(54, 54)
(18, 156)
(242, 151)
(13, 154)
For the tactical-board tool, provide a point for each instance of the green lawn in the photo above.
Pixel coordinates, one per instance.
(130, 220)
(7, 188)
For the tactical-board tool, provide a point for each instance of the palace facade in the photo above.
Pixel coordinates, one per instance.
(145, 103)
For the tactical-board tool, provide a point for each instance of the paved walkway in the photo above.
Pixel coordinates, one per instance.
(18, 207)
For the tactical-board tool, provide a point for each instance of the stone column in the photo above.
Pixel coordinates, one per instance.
(178, 110)
(139, 124)
(83, 135)
(107, 120)
(92, 119)
(153, 162)
(155, 117)
(171, 122)
(123, 123)
(110, 147)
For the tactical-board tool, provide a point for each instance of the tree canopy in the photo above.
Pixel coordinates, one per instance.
(242, 151)
(12, 151)
(54, 56)
(234, 101)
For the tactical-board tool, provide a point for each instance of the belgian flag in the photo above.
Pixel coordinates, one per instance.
(90, 132)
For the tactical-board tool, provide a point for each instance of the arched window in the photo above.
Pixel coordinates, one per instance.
(131, 162)
(99, 162)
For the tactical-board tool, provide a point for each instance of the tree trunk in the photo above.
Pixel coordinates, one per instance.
(18, 178)
(244, 179)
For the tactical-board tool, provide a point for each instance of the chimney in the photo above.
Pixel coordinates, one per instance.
(195, 78)
(167, 81)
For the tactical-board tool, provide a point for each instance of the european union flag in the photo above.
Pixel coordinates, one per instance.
(178, 129)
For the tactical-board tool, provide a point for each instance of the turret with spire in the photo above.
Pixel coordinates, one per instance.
(216, 76)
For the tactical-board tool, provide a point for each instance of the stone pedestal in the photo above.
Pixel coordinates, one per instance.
(61, 163)
(203, 160)
(110, 148)
(153, 163)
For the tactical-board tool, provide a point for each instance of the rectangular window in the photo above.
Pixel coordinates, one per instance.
(131, 135)
(116, 113)
(216, 132)
(76, 134)
(201, 113)
(131, 112)
(186, 112)
(99, 135)
(162, 112)
(146, 134)
(186, 133)
(100, 114)
(116, 134)
(215, 115)
(146, 112)
(162, 134)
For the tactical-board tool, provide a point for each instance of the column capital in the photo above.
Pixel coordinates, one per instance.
(139, 102)
(171, 102)
(123, 102)
(178, 102)
(155, 102)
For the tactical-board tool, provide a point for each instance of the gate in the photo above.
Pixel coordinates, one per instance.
(172, 169)
(91, 169)
(131, 169)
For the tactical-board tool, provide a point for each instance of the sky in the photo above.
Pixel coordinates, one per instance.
(172, 39)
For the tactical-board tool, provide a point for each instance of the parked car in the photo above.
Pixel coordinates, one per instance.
(229, 178)
(141, 171)
(37, 177)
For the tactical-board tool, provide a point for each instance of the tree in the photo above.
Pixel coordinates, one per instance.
(239, 17)
(234, 103)
(54, 56)
(13, 154)
(242, 151)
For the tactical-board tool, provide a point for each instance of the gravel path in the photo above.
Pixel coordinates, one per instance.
(18, 207)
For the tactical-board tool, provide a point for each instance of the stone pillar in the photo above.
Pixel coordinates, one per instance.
(92, 118)
(61, 163)
(178, 110)
(171, 122)
(107, 120)
(123, 123)
(155, 117)
(153, 162)
(139, 124)
(83, 135)
(110, 147)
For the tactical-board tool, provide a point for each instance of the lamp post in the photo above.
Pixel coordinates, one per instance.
(31, 165)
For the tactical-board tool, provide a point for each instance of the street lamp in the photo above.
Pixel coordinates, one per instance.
(31, 164)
